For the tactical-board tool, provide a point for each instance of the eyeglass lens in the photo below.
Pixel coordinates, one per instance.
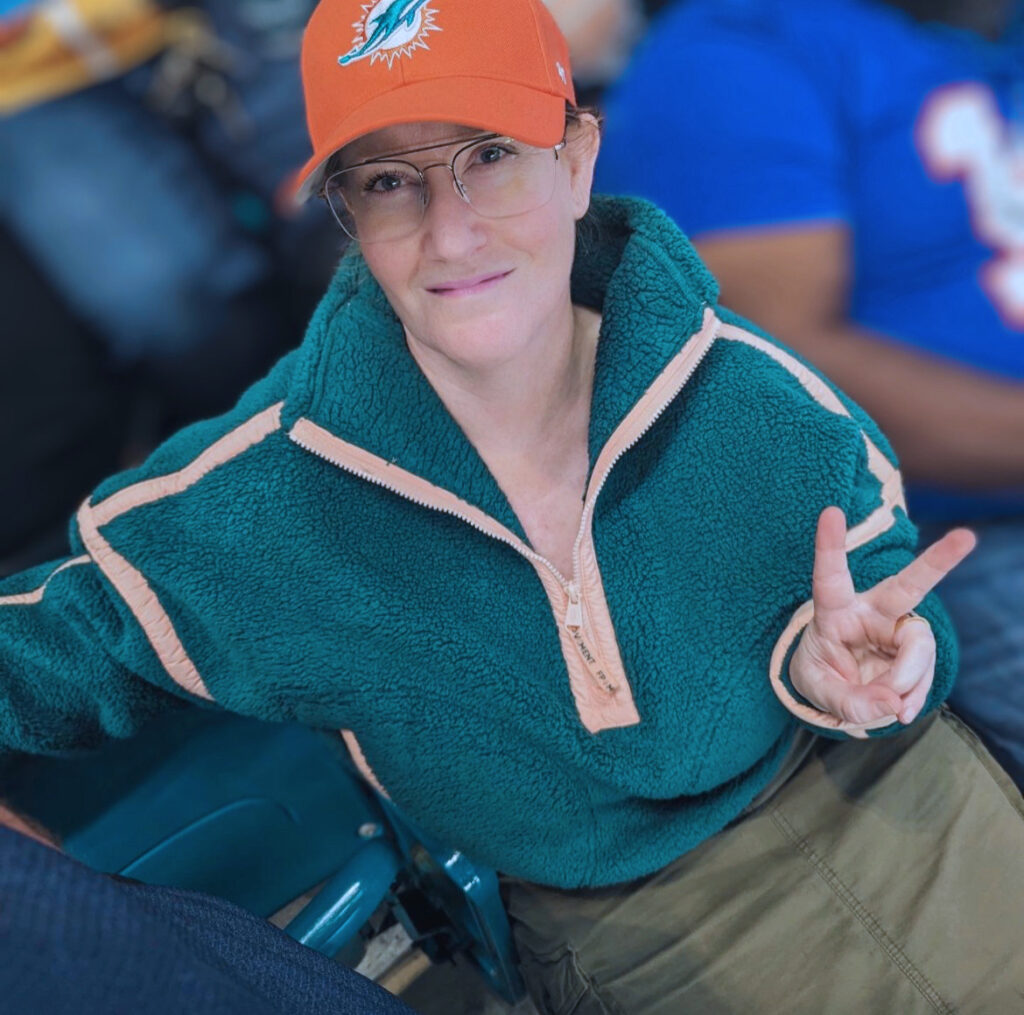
(387, 200)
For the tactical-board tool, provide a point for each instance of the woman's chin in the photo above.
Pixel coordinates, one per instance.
(482, 342)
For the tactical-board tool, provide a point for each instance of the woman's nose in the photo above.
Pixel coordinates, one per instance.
(451, 226)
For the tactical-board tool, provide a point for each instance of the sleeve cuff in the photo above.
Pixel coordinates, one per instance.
(798, 706)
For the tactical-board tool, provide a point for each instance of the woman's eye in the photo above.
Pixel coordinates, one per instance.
(492, 153)
(383, 183)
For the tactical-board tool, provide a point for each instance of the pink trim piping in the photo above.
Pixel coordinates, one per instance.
(879, 521)
(231, 445)
(36, 595)
(130, 583)
(663, 390)
(879, 465)
(359, 760)
(142, 601)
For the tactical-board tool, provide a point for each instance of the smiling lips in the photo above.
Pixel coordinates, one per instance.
(469, 286)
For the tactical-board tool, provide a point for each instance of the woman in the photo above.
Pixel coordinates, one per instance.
(536, 528)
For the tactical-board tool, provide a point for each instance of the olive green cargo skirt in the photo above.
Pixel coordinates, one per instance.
(884, 877)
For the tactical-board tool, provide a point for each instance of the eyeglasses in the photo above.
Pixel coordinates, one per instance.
(386, 199)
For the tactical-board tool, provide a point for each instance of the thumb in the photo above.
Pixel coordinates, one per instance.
(855, 703)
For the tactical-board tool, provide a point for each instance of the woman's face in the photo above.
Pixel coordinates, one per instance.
(473, 290)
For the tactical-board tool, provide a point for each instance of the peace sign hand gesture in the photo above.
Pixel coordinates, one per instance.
(857, 660)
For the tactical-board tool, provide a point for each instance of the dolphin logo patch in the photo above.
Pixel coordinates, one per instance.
(390, 29)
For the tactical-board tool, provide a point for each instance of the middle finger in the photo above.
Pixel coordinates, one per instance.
(904, 591)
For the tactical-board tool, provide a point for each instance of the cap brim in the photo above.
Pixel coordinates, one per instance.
(534, 117)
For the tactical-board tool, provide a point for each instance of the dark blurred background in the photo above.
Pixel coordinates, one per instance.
(151, 270)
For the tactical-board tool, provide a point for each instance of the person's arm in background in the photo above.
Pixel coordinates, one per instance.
(729, 122)
(949, 424)
(600, 34)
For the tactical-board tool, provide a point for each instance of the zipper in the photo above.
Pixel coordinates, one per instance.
(591, 501)
(574, 619)
(577, 631)
(574, 611)
(516, 544)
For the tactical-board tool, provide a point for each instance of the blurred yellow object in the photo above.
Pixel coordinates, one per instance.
(60, 46)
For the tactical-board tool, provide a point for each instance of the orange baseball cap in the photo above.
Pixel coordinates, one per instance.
(499, 65)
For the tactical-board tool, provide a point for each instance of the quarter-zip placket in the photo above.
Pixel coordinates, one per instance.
(300, 435)
(599, 655)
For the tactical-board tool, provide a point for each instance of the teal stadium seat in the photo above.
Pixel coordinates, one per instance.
(261, 814)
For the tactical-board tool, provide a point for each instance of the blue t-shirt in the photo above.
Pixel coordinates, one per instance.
(744, 113)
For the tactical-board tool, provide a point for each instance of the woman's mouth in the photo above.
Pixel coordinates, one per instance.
(469, 286)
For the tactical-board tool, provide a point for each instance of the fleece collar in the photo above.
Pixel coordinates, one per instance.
(356, 378)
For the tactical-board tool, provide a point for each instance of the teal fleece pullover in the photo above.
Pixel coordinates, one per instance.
(334, 551)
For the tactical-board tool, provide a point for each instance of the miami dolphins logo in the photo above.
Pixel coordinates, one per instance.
(389, 29)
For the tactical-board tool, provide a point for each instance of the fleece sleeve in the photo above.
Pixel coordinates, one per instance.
(881, 541)
(77, 665)
(62, 683)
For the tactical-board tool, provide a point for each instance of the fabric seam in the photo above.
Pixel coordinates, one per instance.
(897, 956)
(978, 749)
(606, 1003)
(701, 301)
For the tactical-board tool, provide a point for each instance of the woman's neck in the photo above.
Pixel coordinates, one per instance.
(524, 413)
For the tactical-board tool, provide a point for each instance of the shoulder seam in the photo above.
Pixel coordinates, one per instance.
(224, 449)
(889, 479)
(130, 583)
(809, 381)
(36, 595)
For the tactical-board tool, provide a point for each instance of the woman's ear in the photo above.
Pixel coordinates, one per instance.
(583, 141)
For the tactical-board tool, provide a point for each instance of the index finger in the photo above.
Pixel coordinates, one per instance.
(831, 583)
(905, 590)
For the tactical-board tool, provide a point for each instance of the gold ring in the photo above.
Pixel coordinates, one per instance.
(906, 618)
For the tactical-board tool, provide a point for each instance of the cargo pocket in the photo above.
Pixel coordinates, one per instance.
(558, 986)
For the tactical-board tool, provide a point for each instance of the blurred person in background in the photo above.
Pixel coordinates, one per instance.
(853, 174)
(141, 149)
(74, 941)
(601, 35)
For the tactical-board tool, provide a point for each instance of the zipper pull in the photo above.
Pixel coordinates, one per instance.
(574, 612)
